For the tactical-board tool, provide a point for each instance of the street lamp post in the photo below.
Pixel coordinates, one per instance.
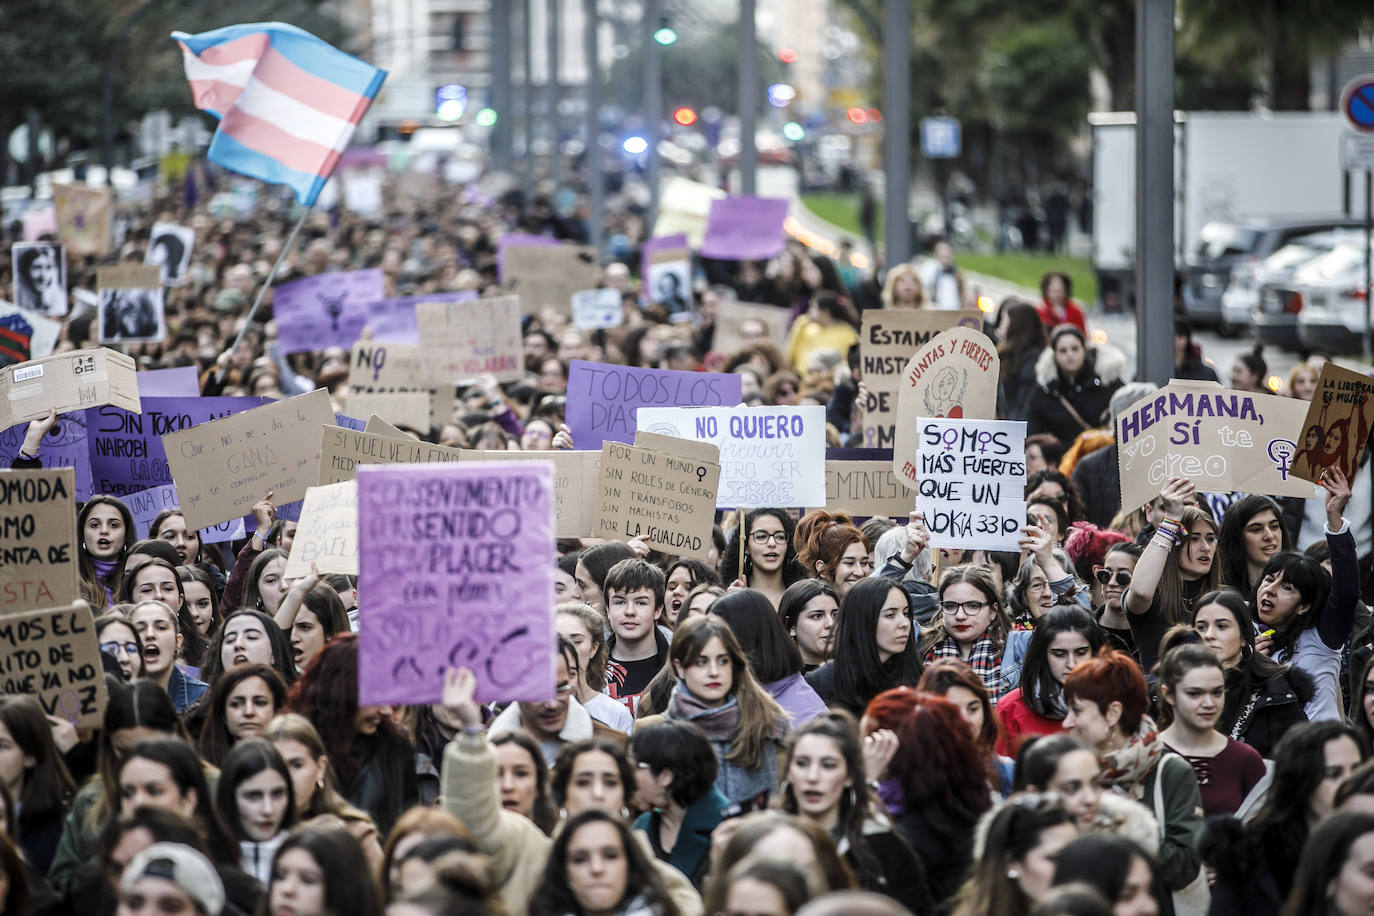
(653, 105)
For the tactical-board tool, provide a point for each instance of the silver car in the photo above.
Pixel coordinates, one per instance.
(1334, 317)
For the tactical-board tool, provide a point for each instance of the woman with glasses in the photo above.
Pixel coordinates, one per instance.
(770, 559)
(119, 640)
(874, 647)
(1113, 577)
(971, 625)
(1063, 639)
(832, 548)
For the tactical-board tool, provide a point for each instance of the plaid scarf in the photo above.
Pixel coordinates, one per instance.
(985, 660)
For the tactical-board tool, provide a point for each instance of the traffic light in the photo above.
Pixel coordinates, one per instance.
(450, 102)
(857, 115)
(787, 55)
(486, 117)
(635, 145)
(664, 34)
(684, 116)
(794, 131)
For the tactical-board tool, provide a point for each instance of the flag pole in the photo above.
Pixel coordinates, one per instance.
(285, 250)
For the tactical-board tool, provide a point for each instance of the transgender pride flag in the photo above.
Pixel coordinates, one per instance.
(287, 102)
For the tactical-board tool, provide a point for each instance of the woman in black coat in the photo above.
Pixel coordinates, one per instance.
(1076, 385)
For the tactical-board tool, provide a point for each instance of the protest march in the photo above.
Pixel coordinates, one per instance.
(425, 558)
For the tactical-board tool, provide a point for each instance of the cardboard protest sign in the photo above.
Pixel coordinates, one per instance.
(146, 505)
(740, 324)
(457, 564)
(379, 427)
(954, 375)
(38, 222)
(973, 482)
(63, 447)
(667, 273)
(40, 277)
(1221, 439)
(124, 450)
(393, 320)
(603, 399)
(745, 228)
(461, 340)
(223, 467)
(327, 533)
(864, 488)
(343, 450)
(53, 656)
(1336, 427)
(404, 408)
(38, 544)
(83, 218)
(67, 381)
(169, 250)
(25, 335)
(597, 308)
(887, 341)
(326, 310)
(376, 366)
(667, 501)
(769, 456)
(546, 276)
(181, 382)
(131, 305)
(574, 484)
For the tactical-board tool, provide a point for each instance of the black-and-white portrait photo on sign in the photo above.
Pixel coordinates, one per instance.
(40, 277)
(169, 248)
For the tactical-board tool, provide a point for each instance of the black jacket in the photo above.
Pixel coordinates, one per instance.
(385, 784)
(1089, 391)
(1097, 478)
(1281, 704)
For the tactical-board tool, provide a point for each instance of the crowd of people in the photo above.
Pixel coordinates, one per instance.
(1145, 710)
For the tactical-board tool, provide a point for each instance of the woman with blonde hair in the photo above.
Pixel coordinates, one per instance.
(585, 627)
(316, 787)
(903, 288)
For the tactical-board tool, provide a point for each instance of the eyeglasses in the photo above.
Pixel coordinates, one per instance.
(763, 537)
(114, 648)
(1104, 577)
(968, 608)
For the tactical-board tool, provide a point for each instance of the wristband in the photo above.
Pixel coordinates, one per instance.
(26, 456)
(1172, 521)
(261, 535)
(897, 558)
(474, 730)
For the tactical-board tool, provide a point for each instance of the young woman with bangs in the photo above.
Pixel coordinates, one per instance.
(825, 779)
(770, 557)
(1064, 638)
(158, 580)
(1252, 533)
(1308, 611)
(971, 624)
(202, 599)
(1176, 566)
(830, 547)
(1263, 699)
(874, 647)
(106, 529)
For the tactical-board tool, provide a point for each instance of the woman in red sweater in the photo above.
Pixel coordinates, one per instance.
(1056, 302)
(1064, 637)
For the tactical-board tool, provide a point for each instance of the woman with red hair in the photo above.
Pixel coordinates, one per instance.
(1107, 700)
(830, 547)
(958, 683)
(936, 785)
(374, 761)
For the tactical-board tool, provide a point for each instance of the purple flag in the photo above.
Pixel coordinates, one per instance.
(457, 564)
(181, 382)
(602, 399)
(393, 320)
(745, 228)
(326, 310)
(126, 453)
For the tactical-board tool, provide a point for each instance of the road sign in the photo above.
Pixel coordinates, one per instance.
(1357, 103)
(941, 138)
(1357, 152)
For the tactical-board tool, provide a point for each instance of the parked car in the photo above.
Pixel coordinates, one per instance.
(1271, 320)
(1224, 246)
(1333, 317)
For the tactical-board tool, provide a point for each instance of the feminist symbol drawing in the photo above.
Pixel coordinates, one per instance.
(333, 307)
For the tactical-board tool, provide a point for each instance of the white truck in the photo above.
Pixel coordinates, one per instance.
(1228, 167)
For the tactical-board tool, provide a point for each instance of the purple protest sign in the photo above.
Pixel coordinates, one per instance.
(326, 310)
(744, 228)
(393, 320)
(457, 564)
(63, 447)
(125, 449)
(145, 505)
(181, 382)
(602, 399)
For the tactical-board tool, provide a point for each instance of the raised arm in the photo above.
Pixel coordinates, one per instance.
(1150, 567)
(1339, 613)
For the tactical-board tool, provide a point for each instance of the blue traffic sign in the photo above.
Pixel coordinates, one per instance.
(1357, 103)
(941, 138)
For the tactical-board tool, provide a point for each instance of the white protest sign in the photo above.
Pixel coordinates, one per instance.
(769, 456)
(597, 308)
(972, 488)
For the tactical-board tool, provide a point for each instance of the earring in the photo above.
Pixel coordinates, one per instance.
(851, 796)
(1013, 874)
(562, 814)
(624, 813)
